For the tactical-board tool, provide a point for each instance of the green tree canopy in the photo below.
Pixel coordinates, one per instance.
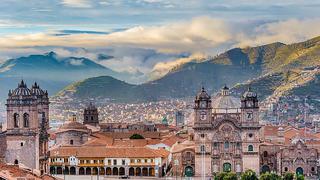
(136, 136)
(226, 176)
(288, 176)
(300, 177)
(270, 176)
(249, 175)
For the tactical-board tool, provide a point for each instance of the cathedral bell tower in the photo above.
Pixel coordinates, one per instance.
(91, 115)
(249, 108)
(250, 131)
(202, 108)
(27, 125)
(202, 130)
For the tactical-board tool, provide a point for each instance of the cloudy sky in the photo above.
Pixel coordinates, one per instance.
(150, 35)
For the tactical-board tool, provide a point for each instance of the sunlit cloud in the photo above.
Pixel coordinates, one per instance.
(154, 50)
(77, 3)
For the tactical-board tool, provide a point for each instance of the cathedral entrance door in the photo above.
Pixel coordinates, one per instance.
(188, 171)
(226, 167)
(299, 171)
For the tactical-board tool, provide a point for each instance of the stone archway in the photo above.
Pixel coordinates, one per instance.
(108, 171)
(88, 171)
(122, 171)
(226, 167)
(144, 171)
(131, 171)
(299, 171)
(115, 171)
(82, 171)
(151, 172)
(95, 171)
(72, 171)
(265, 168)
(52, 170)
(188, 171)
(59, 170)
(66, 171)
(138, 171)
(102, 171)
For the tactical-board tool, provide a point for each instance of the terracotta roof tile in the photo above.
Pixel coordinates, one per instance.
(103, 151)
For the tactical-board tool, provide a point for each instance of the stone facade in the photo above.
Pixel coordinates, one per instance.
(226, 135)
(27, 123)
(299, 158)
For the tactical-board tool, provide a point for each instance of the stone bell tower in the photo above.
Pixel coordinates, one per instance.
(202, 133)
(250, 130)
(27, 125)
(91, 115)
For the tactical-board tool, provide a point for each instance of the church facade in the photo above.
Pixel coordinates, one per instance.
(229, 138)
(226, 134)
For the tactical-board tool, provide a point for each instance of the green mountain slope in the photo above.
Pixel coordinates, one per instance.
(269, 67)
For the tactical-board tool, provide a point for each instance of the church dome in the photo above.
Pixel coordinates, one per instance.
(36, 90)
(224, 101)
(73, 125)
(21, 90)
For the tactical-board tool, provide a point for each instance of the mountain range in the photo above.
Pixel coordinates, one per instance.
(50, 71)
(270, 66)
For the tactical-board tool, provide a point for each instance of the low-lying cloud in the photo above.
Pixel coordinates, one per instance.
(156, 49)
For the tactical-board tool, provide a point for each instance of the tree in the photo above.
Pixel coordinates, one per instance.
(270, 176)
(288, 176)
(249, 175)
(226, 176)
(300, 177)
(136, 136)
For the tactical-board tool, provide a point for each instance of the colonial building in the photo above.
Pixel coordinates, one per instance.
(226, 133)
(26, 139)
(183, 156)
(108, 161)
(72, 133)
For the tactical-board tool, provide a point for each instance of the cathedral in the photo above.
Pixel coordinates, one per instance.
(25, 140)
(228, 137)
(226, 134)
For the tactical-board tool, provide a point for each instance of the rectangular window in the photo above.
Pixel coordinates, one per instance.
(202, 148)
(123, 162)
(109, 162)
(114, 162)
(226, 145)
(131, 160)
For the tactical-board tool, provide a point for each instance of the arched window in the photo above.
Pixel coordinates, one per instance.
(16, 120)
(250, 148)
(25, 120)
(71, 142)
(16, 161)
(265, 154)
(286, 169)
